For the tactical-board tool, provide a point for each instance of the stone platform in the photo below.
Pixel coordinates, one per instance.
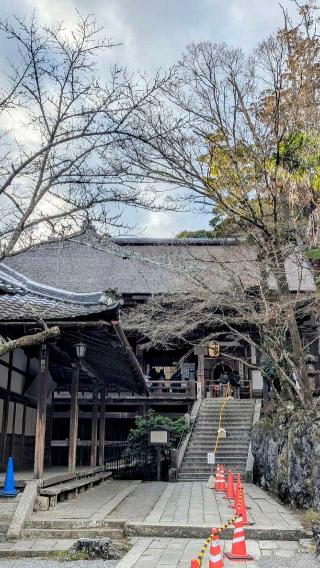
(181, 510)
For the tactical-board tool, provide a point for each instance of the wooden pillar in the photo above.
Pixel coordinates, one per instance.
(94, 430)
(5, 416)
(74, 415)
(41, 414)
(102, 431)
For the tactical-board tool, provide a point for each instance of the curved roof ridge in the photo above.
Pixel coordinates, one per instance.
(217, 241)
(19, 282)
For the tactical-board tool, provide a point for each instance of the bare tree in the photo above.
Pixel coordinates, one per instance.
(64, 132)
(243, 138)
(224, 296)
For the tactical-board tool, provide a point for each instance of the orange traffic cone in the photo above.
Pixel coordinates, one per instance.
(236, 493)
(242, 508)
(217, 478)
(230, 486)
(215, 557)
(221, 481)
(194, 563)
(238, 548)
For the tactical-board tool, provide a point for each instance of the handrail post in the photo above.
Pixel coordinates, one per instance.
(192, 388)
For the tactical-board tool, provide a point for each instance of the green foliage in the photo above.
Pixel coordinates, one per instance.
(201, 234)
(313, 254)
(312, 515)
(139, 436)
(222, 226)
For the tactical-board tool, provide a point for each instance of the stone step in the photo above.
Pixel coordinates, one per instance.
(185, 476)
(12, 500)
(231, 402)
(200, 456)
(230, 434)
(8, 507)
(58, 534)
(232, 429)
(233, 448)
(232, 451)
(230, 412)
(214, 427)
(5, 518)
(210, 443)
(231, 419)
(200, 531)
(70, 524)
(206, 448)
(203, 467)
(226, 460)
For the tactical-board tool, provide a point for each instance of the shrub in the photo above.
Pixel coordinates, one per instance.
(138, 439)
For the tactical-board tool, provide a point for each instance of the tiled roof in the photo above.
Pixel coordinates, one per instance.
(151, 266)
(22, 299)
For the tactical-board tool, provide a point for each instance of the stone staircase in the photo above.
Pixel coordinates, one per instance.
(232, 450)
(8, 506)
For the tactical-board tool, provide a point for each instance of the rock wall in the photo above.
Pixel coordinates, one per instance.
(286, 450)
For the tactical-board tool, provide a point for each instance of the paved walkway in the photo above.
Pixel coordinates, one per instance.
(177, 553)
(93, 505)
(30, 547)
(193, 503)
(184, 503)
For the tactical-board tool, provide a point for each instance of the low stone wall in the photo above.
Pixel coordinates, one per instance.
(286, 450)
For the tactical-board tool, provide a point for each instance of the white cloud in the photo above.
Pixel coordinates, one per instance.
(153, 34)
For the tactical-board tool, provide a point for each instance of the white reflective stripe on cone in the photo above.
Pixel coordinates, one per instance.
(238, 539)
(215, 558)
(238, 530)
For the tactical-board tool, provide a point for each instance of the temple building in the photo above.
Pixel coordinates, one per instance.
(117, 374)
(88, 355)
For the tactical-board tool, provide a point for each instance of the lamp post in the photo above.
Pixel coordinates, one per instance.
(74, 409)
(80, 349)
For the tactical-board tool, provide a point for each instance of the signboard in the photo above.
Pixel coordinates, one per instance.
(214, 349)
(159, 435)
(211, 458)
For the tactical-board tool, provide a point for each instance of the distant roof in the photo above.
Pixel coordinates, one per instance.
(131, 241)
(151, 266)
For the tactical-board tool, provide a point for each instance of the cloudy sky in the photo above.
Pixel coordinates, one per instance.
(153, 34)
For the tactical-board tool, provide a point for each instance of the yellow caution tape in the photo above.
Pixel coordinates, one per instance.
(226, 398)
(218, 531)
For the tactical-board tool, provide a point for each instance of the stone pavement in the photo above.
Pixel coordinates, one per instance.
(183, 509)
(38, 547)
(193, 503)
(94, 505)
(182, 503)
(177, 552)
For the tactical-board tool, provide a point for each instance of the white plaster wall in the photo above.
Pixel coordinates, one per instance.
(257, 381)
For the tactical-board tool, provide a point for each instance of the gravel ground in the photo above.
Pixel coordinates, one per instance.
(300, 561)
(38, 563)
(140, 502)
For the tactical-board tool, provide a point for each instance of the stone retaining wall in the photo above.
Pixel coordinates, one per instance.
(286, 450)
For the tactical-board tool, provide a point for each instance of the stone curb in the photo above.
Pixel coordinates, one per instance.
(201, 531)
(23, 510)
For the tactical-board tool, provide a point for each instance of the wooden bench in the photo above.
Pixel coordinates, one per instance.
(68, 486)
